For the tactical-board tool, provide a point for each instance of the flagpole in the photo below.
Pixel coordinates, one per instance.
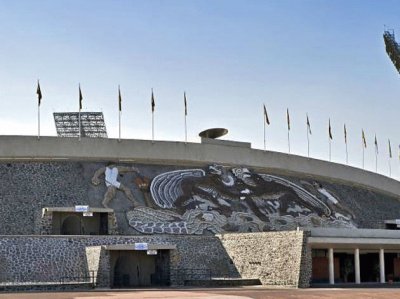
(39, 95)
(79, 113)
(345, 142)
(264, 131)
(288, 136)
(152, 126)
(390, 157)
(185, 130)
(119, 139)
(330, 149)
(185, 112)
(376, 161)
(308, 142)
(363, 156)
(38, 122)
(79, 124)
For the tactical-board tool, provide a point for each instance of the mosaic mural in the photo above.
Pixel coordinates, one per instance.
(218, 199)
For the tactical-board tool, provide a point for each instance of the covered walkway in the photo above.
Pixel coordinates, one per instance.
(355, 256)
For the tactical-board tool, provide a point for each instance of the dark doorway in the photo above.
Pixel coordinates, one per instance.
(390, 266)
(71, 226)
(346, 267)
(135, 268)
(369, 267)
(72, 223)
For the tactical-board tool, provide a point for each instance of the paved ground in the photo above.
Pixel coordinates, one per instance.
(231, 293)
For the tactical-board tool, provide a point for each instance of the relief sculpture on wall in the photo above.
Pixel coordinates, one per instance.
(111, 172)
(220, 199)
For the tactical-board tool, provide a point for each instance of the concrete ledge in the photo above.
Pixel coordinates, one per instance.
(215, 282)
(72, 209)
(29, 148)
(354, 238)
(225, 142)
(132, 247)
(355, 233)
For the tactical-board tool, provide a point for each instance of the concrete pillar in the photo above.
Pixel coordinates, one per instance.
(357, 265)
(382, 265)
(331, 266)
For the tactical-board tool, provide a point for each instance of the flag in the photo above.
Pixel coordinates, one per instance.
(345, 134)
(363, 139)
(80, 98)
(39, 93)
(376, 145)
(390, 149)
(184, 100)
(330, 130)
(119, 99)
(308, 125)
(266, 116)
(288, 119)
(153, 104)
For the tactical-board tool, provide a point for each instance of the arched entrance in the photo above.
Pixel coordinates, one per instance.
(71, 226)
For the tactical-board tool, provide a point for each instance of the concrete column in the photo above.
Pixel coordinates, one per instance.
(357, 265)
(382, 265)
(331, 266)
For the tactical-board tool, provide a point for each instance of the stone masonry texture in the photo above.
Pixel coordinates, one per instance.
(28, 187)
(276, 258)
(50, 259)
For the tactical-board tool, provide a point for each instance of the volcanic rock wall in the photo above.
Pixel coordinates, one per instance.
(160, 199)
(276, 258)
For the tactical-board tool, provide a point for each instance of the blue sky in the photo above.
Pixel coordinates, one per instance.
(324, 58)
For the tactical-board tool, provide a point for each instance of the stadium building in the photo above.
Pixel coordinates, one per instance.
(99, 212)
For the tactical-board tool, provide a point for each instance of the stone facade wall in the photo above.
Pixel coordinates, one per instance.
(54, 258)
(276, 258)
(46, 223)
(28, 187)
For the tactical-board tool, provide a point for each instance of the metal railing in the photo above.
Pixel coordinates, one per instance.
(88, 278)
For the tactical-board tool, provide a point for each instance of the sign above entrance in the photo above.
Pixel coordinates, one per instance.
(152, 252)
(82, 209)
(141, 246)
(87, 214)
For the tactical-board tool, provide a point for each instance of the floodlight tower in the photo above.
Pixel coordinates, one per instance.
(392, 48)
